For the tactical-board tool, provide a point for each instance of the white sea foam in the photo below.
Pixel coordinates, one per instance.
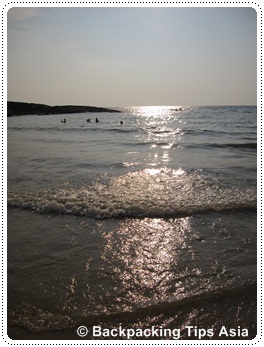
(146, 193)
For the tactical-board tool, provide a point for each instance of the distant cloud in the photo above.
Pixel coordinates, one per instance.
(22, 13)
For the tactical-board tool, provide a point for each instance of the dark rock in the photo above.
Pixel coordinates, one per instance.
(24, 108)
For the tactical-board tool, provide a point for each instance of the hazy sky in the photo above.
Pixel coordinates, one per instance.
(112, 56)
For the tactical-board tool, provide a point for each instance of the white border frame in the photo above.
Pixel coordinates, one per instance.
(5, 6)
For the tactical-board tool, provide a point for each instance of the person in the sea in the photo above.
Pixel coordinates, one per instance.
(96, 120)
(88, 120)
(63, 120)
(121, 122)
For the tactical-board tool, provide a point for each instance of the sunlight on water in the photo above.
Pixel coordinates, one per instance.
(163, 130)
(152, 171)
(145, 256)
(178, 172)
(155, 111)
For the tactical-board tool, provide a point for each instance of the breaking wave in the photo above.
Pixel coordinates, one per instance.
(146, 193)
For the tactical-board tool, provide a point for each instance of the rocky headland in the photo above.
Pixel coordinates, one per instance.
(23, 108)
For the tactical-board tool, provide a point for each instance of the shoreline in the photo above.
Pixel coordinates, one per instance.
(23, 108)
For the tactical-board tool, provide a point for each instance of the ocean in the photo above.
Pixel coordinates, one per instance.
(145, 230)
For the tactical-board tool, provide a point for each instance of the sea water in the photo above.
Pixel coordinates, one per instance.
(149, 224)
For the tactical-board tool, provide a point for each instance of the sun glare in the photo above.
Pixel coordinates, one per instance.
(146, 257)
(156, 111)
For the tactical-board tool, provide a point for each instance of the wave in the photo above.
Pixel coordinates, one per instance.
(160, 131)
(197, 132)
(153, 130)
(39, 321)
(245, 146)
(186, 302)
(147, 193)
(77, 129)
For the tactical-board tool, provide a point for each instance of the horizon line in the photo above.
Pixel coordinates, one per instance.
(160, 105)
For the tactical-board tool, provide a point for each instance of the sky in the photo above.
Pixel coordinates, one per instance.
(132, 56)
